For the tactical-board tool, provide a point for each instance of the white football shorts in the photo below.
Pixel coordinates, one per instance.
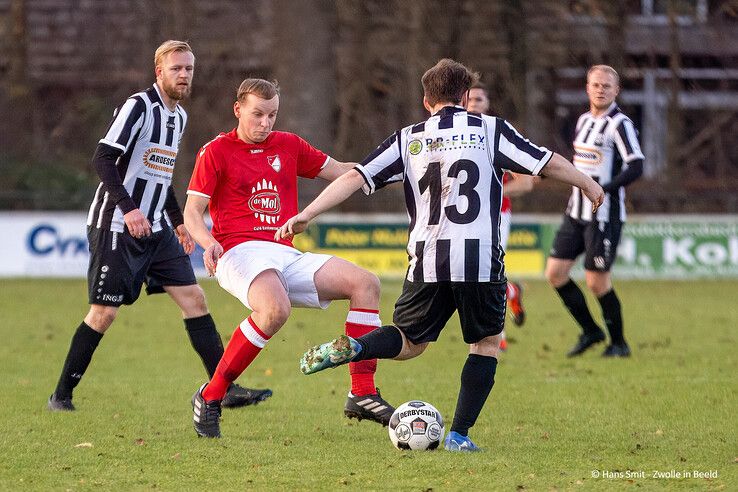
(240, 265)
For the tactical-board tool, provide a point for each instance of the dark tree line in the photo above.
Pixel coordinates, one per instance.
(350, 74)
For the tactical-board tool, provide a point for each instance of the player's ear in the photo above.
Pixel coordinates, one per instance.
(237, 109)
(465, 99)
(427, 105)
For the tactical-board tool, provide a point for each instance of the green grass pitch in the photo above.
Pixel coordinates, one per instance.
(551, 423)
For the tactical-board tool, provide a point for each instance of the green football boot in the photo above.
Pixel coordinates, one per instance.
(331, 354)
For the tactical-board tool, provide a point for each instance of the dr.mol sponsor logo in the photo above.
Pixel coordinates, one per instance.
(265, 202)
(46, 240)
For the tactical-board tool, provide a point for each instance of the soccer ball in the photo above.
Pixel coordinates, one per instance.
(416, 425)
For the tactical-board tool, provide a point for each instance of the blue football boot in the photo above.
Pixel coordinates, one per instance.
(457, 442)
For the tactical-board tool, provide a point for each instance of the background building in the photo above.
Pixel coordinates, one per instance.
(350, 75)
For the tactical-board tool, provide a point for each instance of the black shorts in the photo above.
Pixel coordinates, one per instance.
(599, 240)
(423, 309)
(120, 264)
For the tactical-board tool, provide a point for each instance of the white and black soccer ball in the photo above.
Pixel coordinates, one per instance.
(416, 425)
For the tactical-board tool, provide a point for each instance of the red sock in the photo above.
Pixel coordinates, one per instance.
(360, 322)
(245, 344)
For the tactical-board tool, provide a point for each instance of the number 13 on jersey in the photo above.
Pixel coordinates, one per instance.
(433, 182)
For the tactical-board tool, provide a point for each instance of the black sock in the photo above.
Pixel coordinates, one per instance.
(613, 316)
(206, 341)
(577, 306)
(477, 379)
(84, 343)
(383, 343)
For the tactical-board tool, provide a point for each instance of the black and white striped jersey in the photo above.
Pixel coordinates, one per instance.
(603, 147)
(451, 166)
(148, 135)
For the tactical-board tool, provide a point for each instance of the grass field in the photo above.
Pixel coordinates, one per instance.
(550, 423)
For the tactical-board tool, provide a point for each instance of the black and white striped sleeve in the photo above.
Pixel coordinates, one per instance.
(580, 122)
(626, 141)
(127, 120)
(383, 166)
(516, 153)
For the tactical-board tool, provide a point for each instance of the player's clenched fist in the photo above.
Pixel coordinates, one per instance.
(137, 223)
(211, 256)
(596, 195)
(184, 238)
(295, 225)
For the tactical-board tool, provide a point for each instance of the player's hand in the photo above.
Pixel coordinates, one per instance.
(293, 226)
(184, 238)
(595, 194)
(137, 223)
(211, 256)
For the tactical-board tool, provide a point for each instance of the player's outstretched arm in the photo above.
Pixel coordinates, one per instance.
(334, 169)
(336, 192)
(519, 185)
(195, 223)
(561, 169)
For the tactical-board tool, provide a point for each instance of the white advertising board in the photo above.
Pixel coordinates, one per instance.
(43, 244)
(50, 244)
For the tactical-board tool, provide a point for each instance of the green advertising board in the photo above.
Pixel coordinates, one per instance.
(674, 247)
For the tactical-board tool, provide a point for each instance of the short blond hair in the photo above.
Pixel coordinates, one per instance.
(606, 69)
(264, 89)
(170, 46)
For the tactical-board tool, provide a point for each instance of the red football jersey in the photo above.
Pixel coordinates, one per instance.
(506, 203)
(252, 187)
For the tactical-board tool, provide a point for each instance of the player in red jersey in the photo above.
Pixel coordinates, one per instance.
(514, 185)
(248, 178)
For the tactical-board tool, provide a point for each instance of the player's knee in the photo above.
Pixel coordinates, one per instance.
(364, 287)
(488, 346)
(555, 276)
(411, 350)
(598, 288)
(101, 317)
(197, 300)
(371, 285)
(549, 273)
(191, 300)
(277, 313)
